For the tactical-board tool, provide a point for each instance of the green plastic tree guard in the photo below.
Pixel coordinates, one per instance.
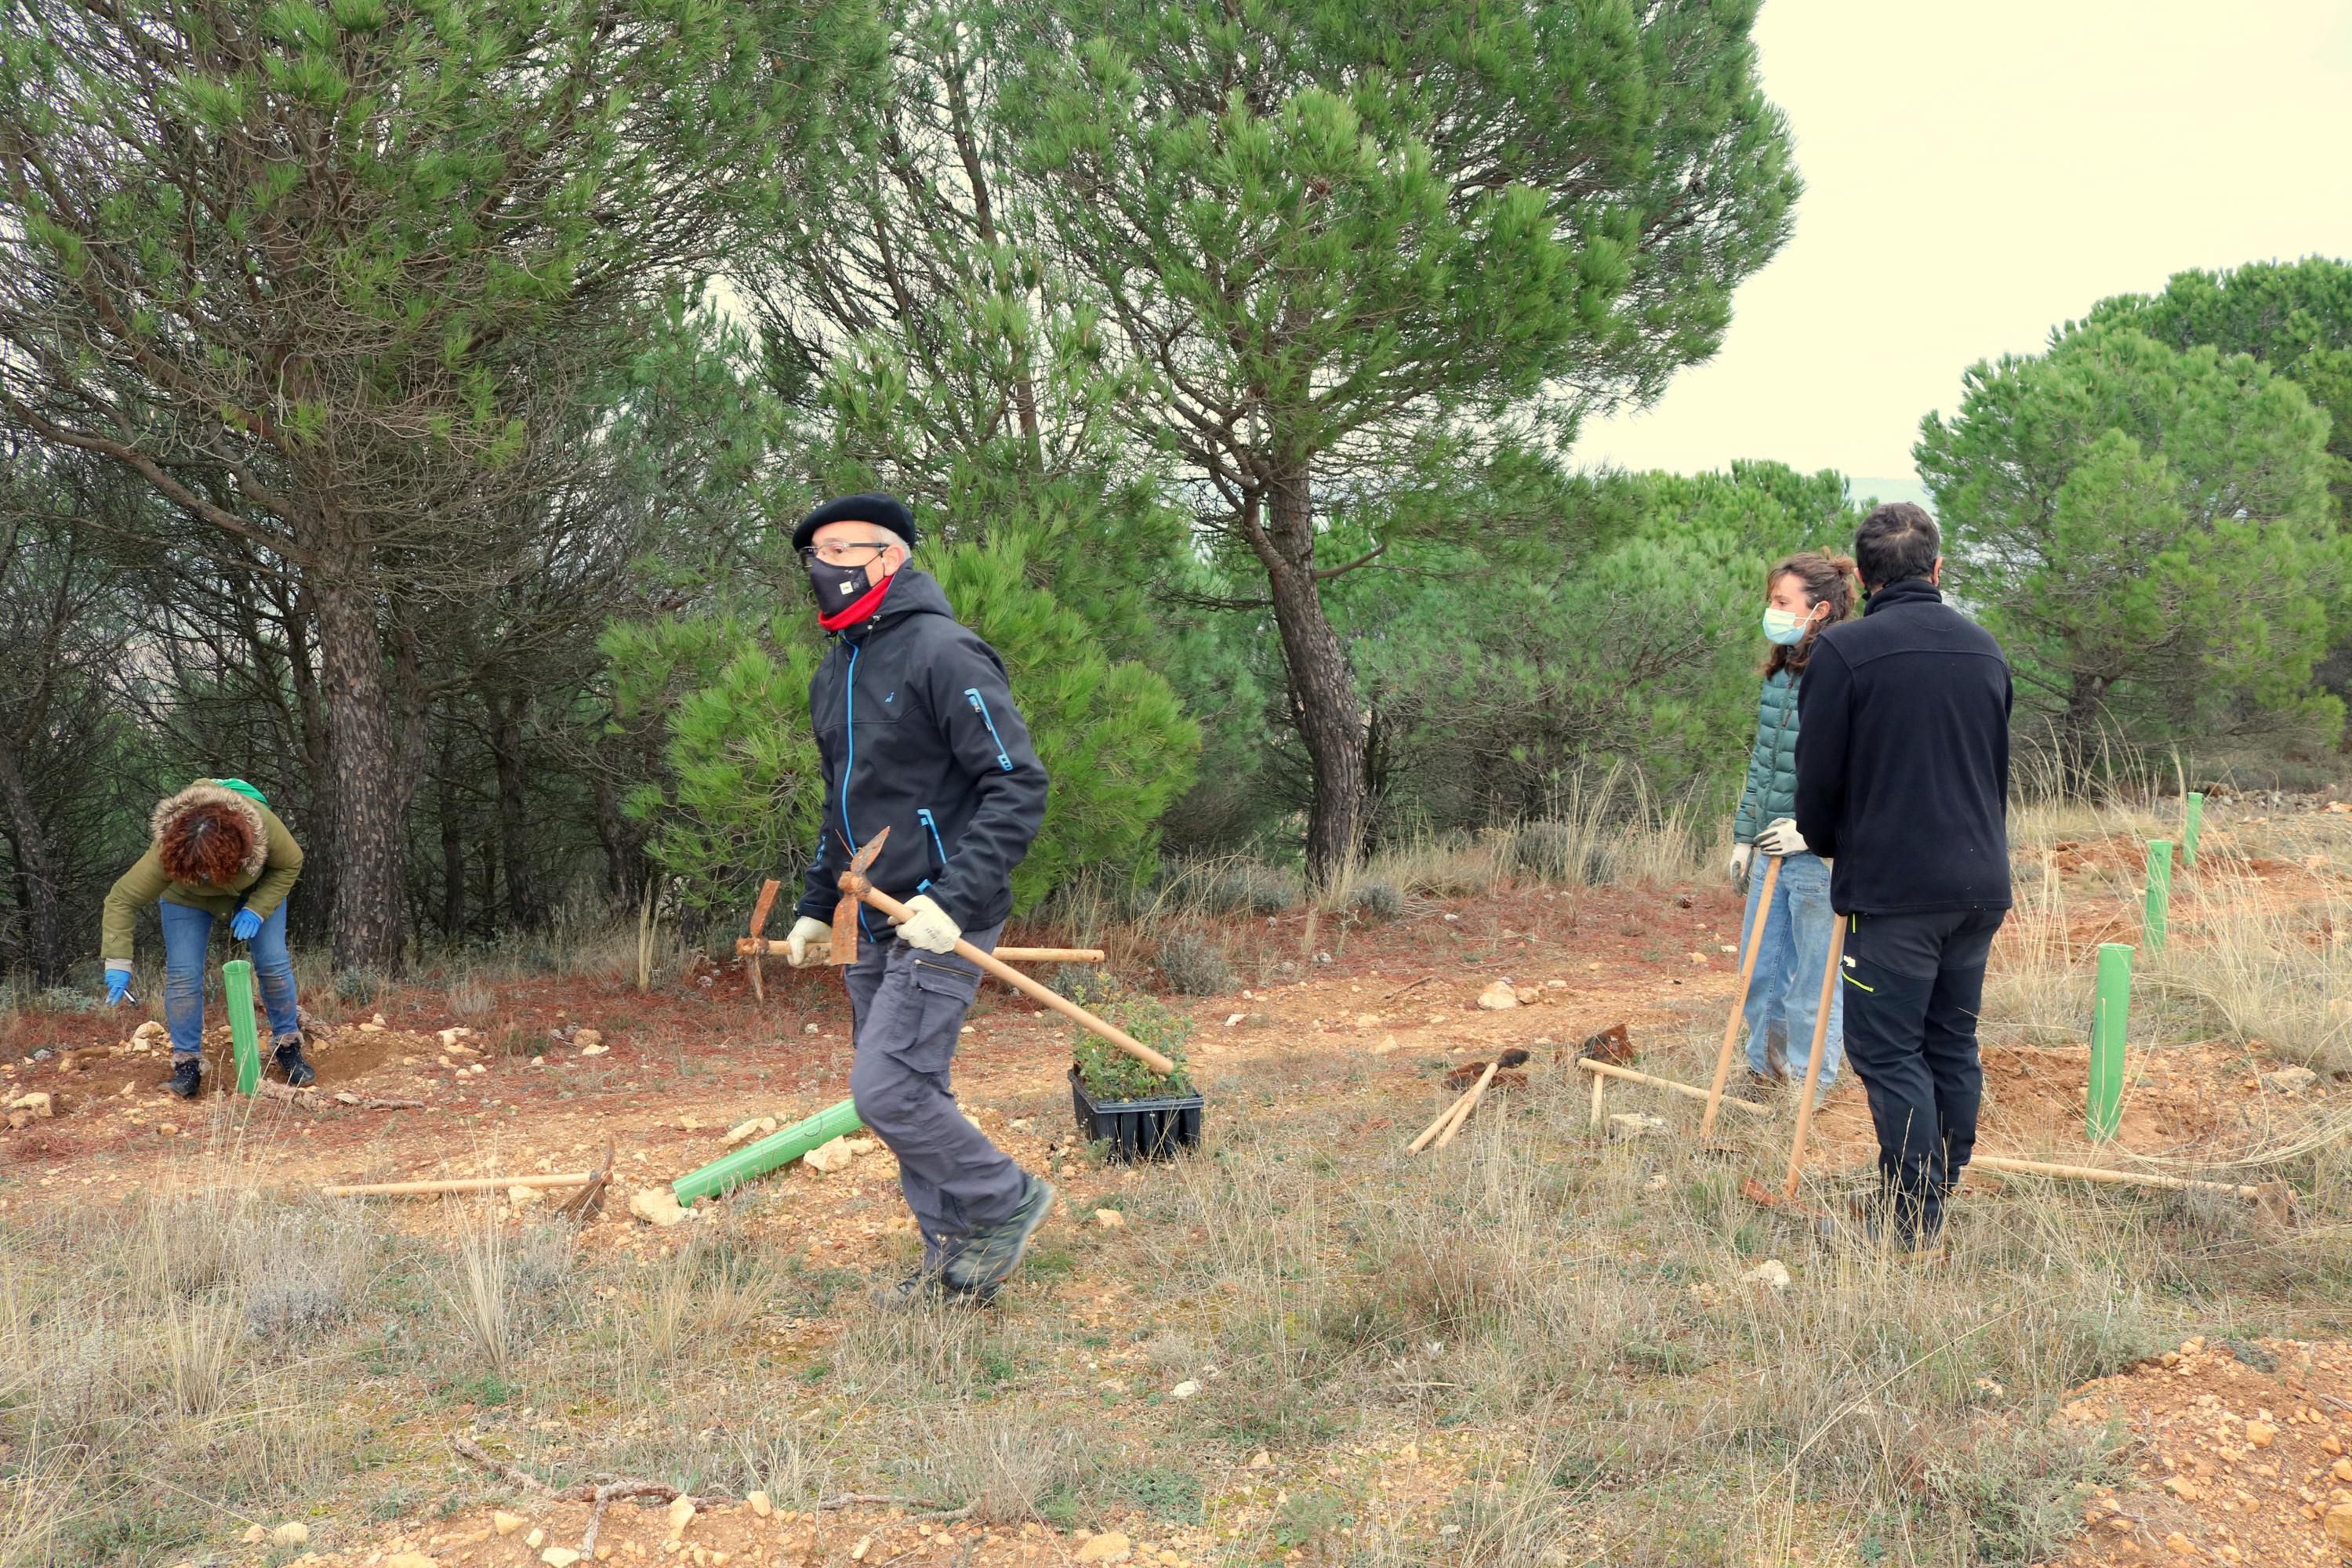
(2159, 894)
(756, 1160)
(2111, 1011)
(236, 984)
(2193, 820)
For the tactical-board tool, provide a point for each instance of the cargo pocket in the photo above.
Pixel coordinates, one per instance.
(944, 986)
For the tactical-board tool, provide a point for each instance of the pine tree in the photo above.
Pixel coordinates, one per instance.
(2149, 533)
(333, 277)
(1343, 245)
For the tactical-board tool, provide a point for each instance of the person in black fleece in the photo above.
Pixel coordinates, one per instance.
(1903, 783)
(918, 732)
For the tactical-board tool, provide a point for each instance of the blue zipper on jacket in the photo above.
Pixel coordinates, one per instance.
(849, 766)
(923, 814)
(980, 706)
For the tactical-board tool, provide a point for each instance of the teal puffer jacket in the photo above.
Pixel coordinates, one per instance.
(1771, 792)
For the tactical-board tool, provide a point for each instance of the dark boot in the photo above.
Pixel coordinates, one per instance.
(291, 1064)
(187, 1076)
(924, 1287)
(985, 1259)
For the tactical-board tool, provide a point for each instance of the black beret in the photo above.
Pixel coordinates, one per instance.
(889, 511)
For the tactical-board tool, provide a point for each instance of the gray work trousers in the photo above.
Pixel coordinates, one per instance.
(907, 1008)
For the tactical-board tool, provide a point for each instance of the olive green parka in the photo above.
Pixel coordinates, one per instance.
(260, 884)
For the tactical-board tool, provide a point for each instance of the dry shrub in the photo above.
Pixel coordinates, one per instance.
(2264, 968)
(1003, 1464)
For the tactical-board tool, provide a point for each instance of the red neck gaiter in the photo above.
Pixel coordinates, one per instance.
(859, 608)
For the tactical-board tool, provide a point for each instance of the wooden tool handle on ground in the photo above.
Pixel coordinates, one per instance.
(2110, 1177)
(1438, 1126)
(754, 946)
(1829, 979)
(859, 888)
(1751, 939)
(1469, 1103)
(459, 1184)
(1611, 1069)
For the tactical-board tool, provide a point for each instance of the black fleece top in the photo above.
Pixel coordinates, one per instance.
(1903, 757)
(916, 727)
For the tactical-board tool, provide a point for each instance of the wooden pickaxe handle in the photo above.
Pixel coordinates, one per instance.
(1469, 1103)
(459, 1184)
(752, 946)
(1753, 942)
(1830, 972)
(858, 886)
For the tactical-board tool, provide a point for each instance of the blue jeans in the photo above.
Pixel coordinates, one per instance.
(187, 932)
(1787, 991)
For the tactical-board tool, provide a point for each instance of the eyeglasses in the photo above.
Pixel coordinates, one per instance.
(843, 552)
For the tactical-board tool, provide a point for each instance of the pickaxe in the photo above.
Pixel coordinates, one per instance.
(756, 946)
(855, 888)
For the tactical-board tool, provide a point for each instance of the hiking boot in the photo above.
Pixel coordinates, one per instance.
(187, 1076)
(296, 1071)
(1864, 1225)
(924, 1287)
(986, 1258)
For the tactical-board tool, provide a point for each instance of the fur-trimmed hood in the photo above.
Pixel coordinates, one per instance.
(174, 809)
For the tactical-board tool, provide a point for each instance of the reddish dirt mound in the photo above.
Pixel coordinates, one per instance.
(2240, 1458)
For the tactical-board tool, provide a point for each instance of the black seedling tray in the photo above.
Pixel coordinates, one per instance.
(1152, 1129)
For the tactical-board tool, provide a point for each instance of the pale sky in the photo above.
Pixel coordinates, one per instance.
(1977, 173)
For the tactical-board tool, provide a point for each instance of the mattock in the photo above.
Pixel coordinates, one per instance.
(845, 913)
(758, 946)
(855, 888)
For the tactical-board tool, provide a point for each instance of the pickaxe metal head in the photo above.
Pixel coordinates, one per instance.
(588, 1201)
(845, 913)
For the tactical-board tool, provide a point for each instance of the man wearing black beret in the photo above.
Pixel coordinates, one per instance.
(918, 734)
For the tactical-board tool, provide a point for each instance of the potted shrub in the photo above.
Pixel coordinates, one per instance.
(1136, 1112)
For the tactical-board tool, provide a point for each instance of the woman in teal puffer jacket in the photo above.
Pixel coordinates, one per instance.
(1803, 594)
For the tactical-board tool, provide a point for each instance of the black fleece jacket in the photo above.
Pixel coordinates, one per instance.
(916, 729)
(1903, 757)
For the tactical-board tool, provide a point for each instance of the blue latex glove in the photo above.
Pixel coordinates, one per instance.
(244, 924)
(118, 986)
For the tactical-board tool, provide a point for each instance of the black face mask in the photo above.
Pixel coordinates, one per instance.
(836, 587)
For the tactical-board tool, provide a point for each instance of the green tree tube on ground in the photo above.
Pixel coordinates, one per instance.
(755, 1160)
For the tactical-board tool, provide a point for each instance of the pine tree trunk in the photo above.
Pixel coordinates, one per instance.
(1322, 687)
(36, 872)
(453, 838)
(523, 907)
(321, 858)
(624, 856)
(360, 743)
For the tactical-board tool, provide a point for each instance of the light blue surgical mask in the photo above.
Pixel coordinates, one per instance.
(1781, 627)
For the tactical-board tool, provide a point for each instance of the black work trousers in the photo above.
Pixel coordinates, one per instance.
(1914, 986)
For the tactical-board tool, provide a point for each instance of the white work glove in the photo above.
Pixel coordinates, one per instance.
(811, 941)
(1742, 857)
(1782, 839)
(927, 926)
